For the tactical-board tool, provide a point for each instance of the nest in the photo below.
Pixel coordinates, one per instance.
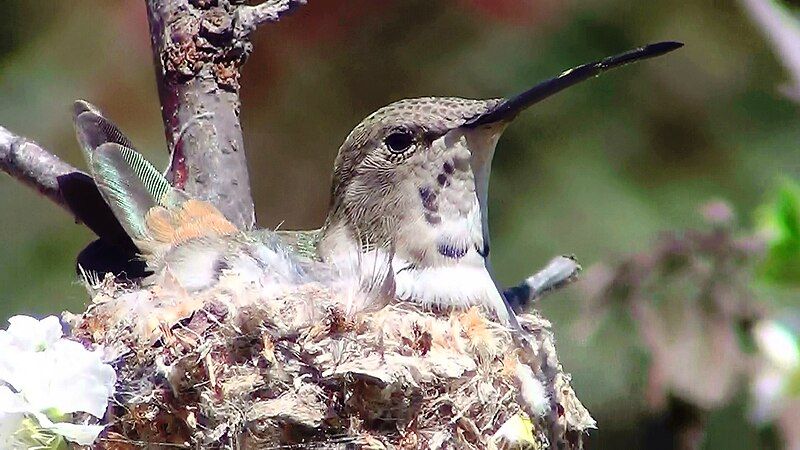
(239, 366)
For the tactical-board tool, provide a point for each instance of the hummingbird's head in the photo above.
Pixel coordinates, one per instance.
(403, 154)
(416, 172)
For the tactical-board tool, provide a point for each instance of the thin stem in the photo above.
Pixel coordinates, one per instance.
(559, 272)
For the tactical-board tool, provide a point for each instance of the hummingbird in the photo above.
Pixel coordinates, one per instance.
(408, 203)
(414, 176)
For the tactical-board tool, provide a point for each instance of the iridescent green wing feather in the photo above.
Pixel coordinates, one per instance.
(129, 184)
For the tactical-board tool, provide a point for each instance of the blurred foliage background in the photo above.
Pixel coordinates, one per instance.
(597, 171)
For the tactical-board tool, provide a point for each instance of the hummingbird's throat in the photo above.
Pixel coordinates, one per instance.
(446, 201)
(445, 261)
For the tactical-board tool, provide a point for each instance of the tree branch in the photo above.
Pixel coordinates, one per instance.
(783, 32)
(250, 17)
(559, 272)
(197, 73)
(199, 47)
(29, 163)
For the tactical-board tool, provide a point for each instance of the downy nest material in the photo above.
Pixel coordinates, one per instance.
(241, 366)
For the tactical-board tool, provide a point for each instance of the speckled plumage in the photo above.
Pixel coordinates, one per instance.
(428, 116)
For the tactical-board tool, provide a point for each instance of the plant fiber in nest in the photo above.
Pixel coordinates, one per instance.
(240, 366)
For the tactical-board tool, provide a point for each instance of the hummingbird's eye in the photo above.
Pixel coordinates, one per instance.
(399, 141)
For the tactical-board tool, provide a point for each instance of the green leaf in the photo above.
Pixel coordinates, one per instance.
(780, 224)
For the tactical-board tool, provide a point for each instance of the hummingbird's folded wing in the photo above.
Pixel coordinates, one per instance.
(130, 185)
(139, 212)
(183, 241)
(114, 251)
(80, 191)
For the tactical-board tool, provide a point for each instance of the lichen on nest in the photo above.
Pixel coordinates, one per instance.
(241, 367)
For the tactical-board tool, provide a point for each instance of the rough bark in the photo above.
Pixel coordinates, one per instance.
(199, 47)
(34, 166)
(197, 60)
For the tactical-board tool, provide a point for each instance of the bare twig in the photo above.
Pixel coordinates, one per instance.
(559, 272)
(199, 47)
(29, 163)
(783, 32)
(250, 17)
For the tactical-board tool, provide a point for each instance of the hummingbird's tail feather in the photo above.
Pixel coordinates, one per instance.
(186, 243)
(183, 243)
(141, 198)
(155, 215)
(114, 251)
(128, 185)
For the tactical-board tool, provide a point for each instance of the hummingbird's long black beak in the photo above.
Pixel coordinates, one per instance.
(509, 108)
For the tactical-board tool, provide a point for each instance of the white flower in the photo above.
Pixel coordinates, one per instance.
(12, 410)
(43, 379)
(771, 384)
(82, 434)
(25, 335)
(67, 378)
(29, 335)
(777, 343)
